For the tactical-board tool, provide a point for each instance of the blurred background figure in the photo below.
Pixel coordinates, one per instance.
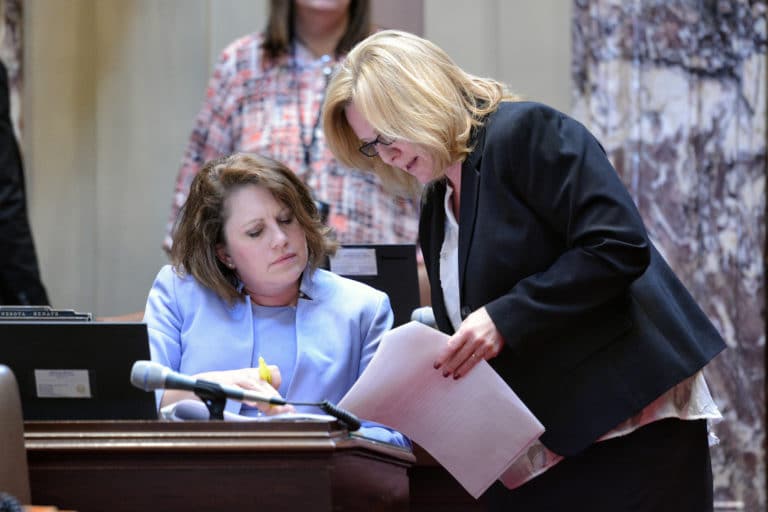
(20, 282)
(265, 96)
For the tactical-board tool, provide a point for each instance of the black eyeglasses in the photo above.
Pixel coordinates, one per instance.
(370, 150)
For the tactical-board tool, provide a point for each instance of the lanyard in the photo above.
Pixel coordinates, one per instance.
(308, 146)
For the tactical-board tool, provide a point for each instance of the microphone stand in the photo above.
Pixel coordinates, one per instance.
(213, 397)
(148, 376)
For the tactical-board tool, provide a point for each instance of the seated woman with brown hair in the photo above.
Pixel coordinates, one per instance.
(245, 283)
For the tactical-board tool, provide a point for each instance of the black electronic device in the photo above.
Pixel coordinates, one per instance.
(40, 313)
(77, 370)
(390, 268)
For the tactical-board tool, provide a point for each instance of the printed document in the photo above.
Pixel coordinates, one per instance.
(475, 427)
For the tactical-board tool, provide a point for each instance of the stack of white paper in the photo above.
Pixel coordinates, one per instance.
(475, 426)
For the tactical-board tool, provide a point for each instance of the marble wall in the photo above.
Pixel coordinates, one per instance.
(676, 91)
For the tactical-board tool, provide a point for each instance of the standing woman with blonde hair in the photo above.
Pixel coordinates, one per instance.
(540, 264)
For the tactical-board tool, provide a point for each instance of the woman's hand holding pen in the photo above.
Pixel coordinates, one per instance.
(476, 339)
(251, 379)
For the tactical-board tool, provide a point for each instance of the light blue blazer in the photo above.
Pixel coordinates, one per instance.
(339, 323)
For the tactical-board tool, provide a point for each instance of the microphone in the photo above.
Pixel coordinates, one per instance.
(9, 503)
(149, 376)
(424, 315)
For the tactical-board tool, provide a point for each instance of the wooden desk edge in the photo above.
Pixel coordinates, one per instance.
(191, 436)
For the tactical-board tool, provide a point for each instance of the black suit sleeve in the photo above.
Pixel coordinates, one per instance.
(19, 274)
(553, 164)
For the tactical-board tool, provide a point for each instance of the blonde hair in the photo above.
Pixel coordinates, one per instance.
(407, 88)
(200, 226)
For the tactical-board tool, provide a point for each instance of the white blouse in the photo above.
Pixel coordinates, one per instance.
(449, 264)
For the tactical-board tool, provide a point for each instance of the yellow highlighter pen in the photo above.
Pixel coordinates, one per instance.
(264, 372)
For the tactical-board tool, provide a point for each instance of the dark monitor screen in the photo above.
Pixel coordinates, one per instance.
(77, 370)
(390, 268)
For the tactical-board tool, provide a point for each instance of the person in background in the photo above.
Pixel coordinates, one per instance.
(265, 97)
(20, 282)
(541, 265)
(245, 283)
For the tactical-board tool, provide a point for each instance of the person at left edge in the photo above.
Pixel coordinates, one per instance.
(245, 283)
(264, 96)
(20, 282)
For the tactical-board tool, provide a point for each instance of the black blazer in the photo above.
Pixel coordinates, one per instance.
(19, 275)
(596, 324)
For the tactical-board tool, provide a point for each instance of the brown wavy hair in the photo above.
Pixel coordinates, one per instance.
(279, 33)
(200, 225)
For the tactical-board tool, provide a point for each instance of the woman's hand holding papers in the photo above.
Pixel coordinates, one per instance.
(476, 339)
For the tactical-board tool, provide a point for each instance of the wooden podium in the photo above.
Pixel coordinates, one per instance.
(434, 489)
(115, 466)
